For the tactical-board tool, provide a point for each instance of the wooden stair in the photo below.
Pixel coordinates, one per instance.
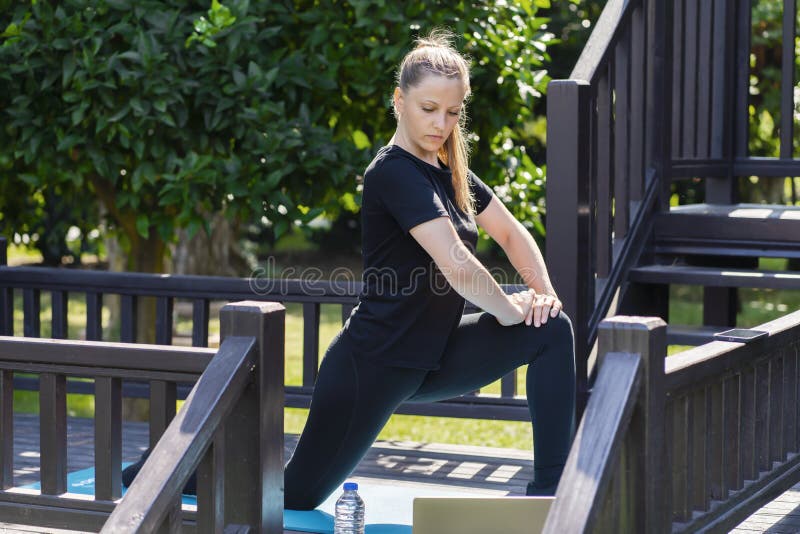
(739, 230)
(718, 246)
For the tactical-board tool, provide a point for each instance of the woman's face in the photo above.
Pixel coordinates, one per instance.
(428, 112)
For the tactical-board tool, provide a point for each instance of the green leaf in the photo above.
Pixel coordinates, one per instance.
(68, 142)
(143, 226)
(361, 140)
(30, 179)
(67, 69)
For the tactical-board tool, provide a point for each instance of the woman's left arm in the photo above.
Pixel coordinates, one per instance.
(525, 256)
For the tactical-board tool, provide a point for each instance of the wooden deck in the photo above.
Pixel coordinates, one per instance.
(479, 470)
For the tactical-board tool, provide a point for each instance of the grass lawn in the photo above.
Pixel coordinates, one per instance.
(757, 307)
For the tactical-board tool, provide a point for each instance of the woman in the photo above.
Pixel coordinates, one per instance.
(407, 340)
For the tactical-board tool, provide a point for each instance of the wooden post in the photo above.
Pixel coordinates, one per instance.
(646, 336)
(253, 453)
(568, 237)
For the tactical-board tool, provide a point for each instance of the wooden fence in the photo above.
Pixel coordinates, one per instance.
(230, 427)
(94, 286)
(605, 151)
(694, 442)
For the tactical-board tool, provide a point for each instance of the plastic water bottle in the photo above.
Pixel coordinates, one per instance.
(349, 511)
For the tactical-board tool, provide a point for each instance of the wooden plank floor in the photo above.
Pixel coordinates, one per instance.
(482, 470)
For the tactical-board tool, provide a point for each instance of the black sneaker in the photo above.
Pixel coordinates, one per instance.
(534, 490)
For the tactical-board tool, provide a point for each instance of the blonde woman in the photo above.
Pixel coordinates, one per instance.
(407, 339)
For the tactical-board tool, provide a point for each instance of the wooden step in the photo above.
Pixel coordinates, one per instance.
(729, 230)
(715, 277)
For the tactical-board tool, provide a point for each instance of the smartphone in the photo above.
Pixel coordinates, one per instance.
(740, 335)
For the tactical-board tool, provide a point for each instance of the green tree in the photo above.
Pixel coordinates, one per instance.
(168, 112)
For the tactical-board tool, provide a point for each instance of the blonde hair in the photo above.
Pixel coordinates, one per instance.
(435, 54)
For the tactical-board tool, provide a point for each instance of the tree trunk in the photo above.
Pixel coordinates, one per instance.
(214, 255)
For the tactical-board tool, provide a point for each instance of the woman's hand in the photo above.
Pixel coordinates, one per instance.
(543, 306)
(522, 303)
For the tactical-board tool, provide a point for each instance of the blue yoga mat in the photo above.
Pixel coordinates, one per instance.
(392, 504)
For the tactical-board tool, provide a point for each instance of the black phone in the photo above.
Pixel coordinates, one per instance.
(740, 335)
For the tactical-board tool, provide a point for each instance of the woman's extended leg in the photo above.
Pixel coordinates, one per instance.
(481, 351)
(352, 400)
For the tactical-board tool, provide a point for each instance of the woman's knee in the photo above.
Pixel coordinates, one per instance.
(559, 328)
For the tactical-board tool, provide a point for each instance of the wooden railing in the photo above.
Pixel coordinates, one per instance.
(696, 441)
(604, 164)
(711, 91)
(231, 426)
(64, 284)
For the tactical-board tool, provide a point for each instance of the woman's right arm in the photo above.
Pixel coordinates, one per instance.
(466, 274)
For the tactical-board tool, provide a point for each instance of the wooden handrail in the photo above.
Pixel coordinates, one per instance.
(601, 41)
(119, 357)
(595, 450)
(712, 433)
(698, 364)
(232, 421)
(180, 449)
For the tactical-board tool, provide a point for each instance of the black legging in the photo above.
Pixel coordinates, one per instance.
(354, 397)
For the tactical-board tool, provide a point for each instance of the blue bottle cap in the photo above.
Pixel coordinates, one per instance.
(350, 486)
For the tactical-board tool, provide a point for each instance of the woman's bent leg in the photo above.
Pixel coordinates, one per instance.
(352, 400)
(482, 351)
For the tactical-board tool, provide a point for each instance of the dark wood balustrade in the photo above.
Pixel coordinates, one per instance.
(698, 440)
(230, 428)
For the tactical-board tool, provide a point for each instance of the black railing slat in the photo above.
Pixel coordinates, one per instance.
(747, 423)
(59, 301)
(621, 139)
(604, 138)
(677, 79)
(716, 443)
(108, 438)
(200, 314)
(689, 74)
(128, 318)
(163, 397)
(742, 83)
(94, 316)
(311, 314)
(681, 463)
(699, 408)
(790, 400)
(731, 459)
(508, 385)
(6, 311)
(787, 79)
(775, 410)
(638, 88)
(210, 488)
(164, 307)
(53, 433)
(31, 306)
(6, 429)
(704, 71)
(762, 414)
(722, 89)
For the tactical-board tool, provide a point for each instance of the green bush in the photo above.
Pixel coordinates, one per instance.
(166, 111)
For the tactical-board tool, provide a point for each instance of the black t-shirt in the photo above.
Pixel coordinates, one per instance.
(407, 309)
